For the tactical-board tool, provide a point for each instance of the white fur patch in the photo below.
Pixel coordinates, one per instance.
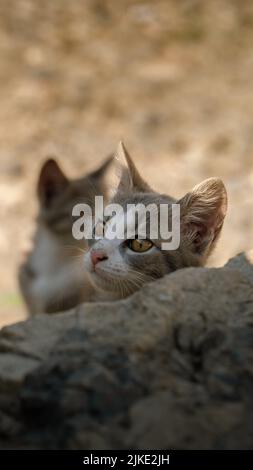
(56, 273)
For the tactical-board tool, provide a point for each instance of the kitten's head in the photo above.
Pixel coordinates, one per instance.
(122, 266)
(58, 194)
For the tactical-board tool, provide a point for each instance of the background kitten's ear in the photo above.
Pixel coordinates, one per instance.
(129, 176)
(101, 171)
(52, 182)
(202, 214)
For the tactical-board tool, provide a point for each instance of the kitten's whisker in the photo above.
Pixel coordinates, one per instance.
(75, 247)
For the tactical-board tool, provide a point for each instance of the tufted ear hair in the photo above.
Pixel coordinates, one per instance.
(52, 182)
(202, 215)
(130, 178)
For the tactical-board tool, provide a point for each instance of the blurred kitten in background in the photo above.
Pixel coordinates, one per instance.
(52, 278)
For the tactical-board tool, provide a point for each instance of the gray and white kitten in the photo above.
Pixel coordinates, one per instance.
(51, 278)
(117, 267)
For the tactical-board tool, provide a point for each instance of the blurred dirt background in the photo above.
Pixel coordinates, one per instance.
(173, 78)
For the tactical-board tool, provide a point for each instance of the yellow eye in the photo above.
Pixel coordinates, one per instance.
(140, 246)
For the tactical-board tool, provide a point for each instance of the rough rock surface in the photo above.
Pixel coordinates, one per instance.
(170, 367)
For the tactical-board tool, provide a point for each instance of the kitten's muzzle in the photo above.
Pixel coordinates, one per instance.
(97, 256)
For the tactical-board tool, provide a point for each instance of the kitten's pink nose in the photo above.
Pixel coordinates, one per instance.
(97, 256)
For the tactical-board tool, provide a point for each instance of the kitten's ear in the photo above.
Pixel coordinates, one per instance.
(130, 178)
(101, 171)
(202, 215)
(52, 182)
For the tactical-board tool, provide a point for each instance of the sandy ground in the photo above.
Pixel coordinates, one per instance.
(173, 79)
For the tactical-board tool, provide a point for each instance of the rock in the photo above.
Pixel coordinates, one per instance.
(169, 367)
(243, 262)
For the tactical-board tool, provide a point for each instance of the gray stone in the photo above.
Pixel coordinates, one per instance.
(169, 367)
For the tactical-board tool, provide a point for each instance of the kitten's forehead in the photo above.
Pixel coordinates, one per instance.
(59, 216)
(142, 198)
(139, 216)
